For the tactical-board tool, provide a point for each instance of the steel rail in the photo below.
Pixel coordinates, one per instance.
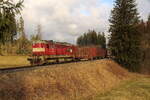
(24, 68)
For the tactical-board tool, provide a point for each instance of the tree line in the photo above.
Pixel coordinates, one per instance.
(13, 39)
(8, 11)
(144, 29)
(129, 40)
(92, 38)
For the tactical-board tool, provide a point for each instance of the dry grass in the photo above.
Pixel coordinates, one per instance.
(62, 82)
(13, 61)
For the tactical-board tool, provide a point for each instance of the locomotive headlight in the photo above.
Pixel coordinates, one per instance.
(71, 50)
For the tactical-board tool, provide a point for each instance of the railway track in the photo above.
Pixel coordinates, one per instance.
(15, 69)
(24, 68)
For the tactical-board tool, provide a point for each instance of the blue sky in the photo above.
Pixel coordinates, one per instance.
(107, 1)
(65, 20)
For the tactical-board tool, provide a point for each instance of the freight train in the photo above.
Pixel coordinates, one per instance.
(44, 52)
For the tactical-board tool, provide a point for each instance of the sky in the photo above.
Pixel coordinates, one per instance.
(65, 20)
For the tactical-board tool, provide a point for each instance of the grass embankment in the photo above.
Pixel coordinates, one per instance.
(62, 82)
(13, 61)
(136, 89)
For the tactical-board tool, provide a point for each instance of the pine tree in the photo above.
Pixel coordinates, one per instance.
(144, 28)
(22, 38)
(9, 31)
(92, 38)
(21, 28)
(23, 42)
(8, 10)
(148, 24)
(103, 40)
(79, 40)
(149, 17)
(124, 41)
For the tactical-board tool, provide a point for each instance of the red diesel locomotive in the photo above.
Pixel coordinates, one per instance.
(45, 51)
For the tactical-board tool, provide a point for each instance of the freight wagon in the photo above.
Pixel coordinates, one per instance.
(45, 51)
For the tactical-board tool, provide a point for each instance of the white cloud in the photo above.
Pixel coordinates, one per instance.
(144, 8)
(65, 20)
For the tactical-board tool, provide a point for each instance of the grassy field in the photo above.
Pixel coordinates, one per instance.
(72, 81)
(13, 61)
(62, 82)
(137, 89)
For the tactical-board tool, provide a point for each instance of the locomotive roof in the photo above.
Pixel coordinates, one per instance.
(51, 41)
(39, 41)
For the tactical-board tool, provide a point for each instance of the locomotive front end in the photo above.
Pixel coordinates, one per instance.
(38, 50)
